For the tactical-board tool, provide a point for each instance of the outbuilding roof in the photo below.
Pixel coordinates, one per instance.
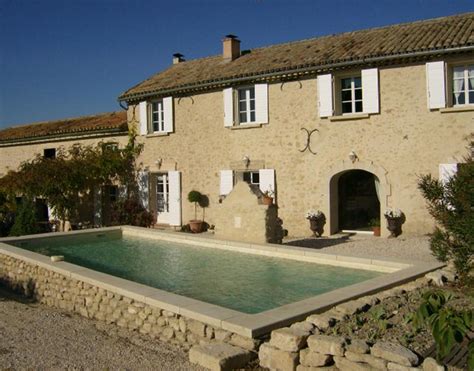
(431, 37)
(104, 122)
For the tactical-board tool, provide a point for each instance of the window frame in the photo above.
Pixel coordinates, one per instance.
(51, 155)
(248, 101)
(352, 89)
(450, 84)
(161, 117)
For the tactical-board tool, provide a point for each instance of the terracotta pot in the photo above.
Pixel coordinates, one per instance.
(376, 231)
(196, 226)
(266, 200)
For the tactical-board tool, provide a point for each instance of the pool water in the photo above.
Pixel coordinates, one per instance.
(243, 282)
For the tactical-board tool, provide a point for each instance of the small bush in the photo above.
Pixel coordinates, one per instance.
(25, 219)
(452, 207)
(195, 197)
(130, 212)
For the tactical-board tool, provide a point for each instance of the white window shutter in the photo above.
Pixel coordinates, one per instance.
(227, 182)
(370, 90)
(143, 188)
(143, 118)
(168, 114)
(435, 85)
(174, 200)
(325, 95)
(446, 171)
(267, 180)
(261, 103)
(228, 107)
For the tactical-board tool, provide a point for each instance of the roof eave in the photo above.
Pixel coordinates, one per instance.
(297, 71)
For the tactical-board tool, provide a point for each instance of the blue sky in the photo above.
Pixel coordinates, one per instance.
(70, 58)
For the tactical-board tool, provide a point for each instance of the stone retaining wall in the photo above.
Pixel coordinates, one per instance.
(56, 290)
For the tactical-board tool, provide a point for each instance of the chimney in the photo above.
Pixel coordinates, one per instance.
(178, 58)
(231, 47)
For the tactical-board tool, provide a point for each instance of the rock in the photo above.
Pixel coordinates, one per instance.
(344, 364)
(394, 353)
(220, 356)
(276, 359)
(209, 332)
(352, 307)
(303, 326)
(289, 339)
(327, 344)
(197, 328)
(167, 333)
(358, 346)
(396, 367)
(321, 321)
(183, 326)
(378, 363)
(436, 278)
(339, 316)
(313, 359)
(222, 335)
(309, 368)
(244, 342)
(430, 364)
(449, 275)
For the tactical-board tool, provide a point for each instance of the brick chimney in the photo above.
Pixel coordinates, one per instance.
(231, 47)
(178, 58)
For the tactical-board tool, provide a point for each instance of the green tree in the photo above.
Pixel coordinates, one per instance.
(452, 206)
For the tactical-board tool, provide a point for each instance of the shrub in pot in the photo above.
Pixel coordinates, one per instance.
(195, 224)
(375, 224)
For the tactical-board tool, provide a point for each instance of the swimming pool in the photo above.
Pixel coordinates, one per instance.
(243, 282)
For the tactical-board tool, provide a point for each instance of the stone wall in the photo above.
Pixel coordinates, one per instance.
(57, 290)
(243, 217)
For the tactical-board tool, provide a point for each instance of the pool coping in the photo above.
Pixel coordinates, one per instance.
(248, 325)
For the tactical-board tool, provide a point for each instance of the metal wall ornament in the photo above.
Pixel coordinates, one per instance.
(308, 141)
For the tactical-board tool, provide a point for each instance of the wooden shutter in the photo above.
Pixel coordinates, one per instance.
(267, 180)
(228, 107)
(143, 111)
(446, 171)
(174, 198)
(261, 103)
(227, 182)
(325, 95)
(143, 188)
(370, 90)
(168, 114)
(435, 85)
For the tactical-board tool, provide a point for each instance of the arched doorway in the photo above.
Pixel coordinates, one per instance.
(358, 200)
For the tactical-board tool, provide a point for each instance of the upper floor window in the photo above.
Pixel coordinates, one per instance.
(49, 153)
(252, 177)
(157, 115)
(463, 85)
(110, 146)
(351, 95)
(246, 105)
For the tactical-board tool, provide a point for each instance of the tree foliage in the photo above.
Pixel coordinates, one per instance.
(452, 206)
(25, 219)
(74, 174)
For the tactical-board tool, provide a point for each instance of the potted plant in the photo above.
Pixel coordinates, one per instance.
(317, 219)
(375, 224)
(267, 197)
(195, 225)
(394, 221)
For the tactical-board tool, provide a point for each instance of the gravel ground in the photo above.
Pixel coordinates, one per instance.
(406, 248)
(33, 336)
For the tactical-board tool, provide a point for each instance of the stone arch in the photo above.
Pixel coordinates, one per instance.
(330, 184)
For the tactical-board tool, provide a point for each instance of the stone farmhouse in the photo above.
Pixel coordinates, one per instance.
(342, 123)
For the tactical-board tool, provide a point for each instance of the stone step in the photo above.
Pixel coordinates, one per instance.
(220, 356)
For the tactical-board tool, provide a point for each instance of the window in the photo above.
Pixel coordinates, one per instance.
(113, 193)
(351, 95)
(49, 153)
(463, 85)
(157, 116)
(246, 105)
(110, 146)
(162, 193)
(252, 177)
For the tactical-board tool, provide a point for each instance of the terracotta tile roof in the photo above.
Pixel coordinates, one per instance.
(114, 121)
(397, 41)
